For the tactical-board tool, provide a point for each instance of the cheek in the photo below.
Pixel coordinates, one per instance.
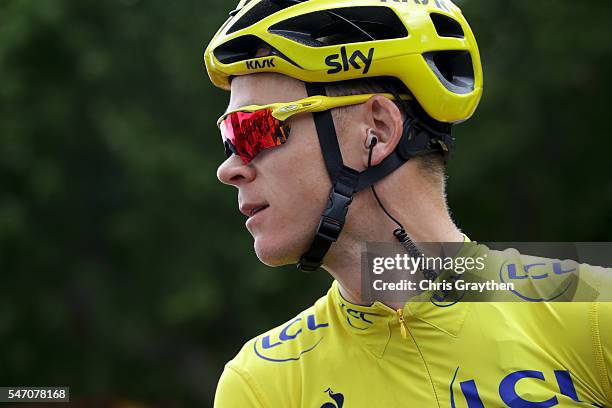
(301, 183)
(297, 187)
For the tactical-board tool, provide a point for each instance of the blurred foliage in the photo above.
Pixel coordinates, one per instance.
(533, 164)
(126, 268)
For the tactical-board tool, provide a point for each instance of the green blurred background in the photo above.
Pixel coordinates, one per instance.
(126, 271)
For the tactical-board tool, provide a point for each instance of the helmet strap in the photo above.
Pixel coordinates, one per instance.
(344, 183)
(347, 181)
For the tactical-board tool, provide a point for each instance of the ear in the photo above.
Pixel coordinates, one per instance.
(384, 121)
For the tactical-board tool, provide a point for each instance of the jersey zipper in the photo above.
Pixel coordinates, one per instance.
(403, 329)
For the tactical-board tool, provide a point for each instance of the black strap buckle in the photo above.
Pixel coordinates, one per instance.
(329, 228)
(337, 207)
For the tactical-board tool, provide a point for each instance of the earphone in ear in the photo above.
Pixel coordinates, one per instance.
(371, 140)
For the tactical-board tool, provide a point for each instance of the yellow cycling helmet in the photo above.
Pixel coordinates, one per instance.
(426, 44)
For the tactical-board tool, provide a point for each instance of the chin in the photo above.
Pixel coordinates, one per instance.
(278, 251)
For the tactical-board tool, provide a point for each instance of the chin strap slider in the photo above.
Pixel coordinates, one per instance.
(332, 220)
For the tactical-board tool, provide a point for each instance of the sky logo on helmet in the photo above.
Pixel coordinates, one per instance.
(347, 62)
(258, 64)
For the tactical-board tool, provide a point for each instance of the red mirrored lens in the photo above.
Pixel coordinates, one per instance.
(251, 132)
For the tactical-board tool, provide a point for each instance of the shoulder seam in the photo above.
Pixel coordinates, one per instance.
(598, 350)
(246, 377)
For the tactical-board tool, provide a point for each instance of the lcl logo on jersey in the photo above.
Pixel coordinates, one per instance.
(447, 298)
(508, 394)
(346, 61)
(541, 281)
(270, 347)
(355, 318)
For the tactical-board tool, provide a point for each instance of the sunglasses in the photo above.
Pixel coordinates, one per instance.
(249, 130)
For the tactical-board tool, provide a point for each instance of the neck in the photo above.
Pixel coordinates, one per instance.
(419, 207)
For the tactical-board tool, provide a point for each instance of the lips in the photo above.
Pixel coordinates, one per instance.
(251, 209)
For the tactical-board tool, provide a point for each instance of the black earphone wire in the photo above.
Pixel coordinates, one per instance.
(371, 147)
(399, 233)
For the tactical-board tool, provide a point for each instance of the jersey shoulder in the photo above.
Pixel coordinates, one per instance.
(531, 278)
(289, 341)
(269, 367)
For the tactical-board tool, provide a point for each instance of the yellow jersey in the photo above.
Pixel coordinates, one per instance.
(527, 354)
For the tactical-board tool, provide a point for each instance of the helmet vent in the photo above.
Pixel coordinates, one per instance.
(453, 68)
(446, 26)
(239, 49)
(258, 12)
(342, 26)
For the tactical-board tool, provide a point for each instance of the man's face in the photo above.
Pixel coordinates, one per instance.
(289, 181)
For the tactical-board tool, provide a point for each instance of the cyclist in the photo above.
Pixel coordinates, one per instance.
(337, 132)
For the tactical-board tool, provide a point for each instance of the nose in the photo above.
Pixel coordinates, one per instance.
(234, 172)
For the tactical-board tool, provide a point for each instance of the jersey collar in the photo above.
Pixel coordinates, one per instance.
(373, 325)
(369, 325)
